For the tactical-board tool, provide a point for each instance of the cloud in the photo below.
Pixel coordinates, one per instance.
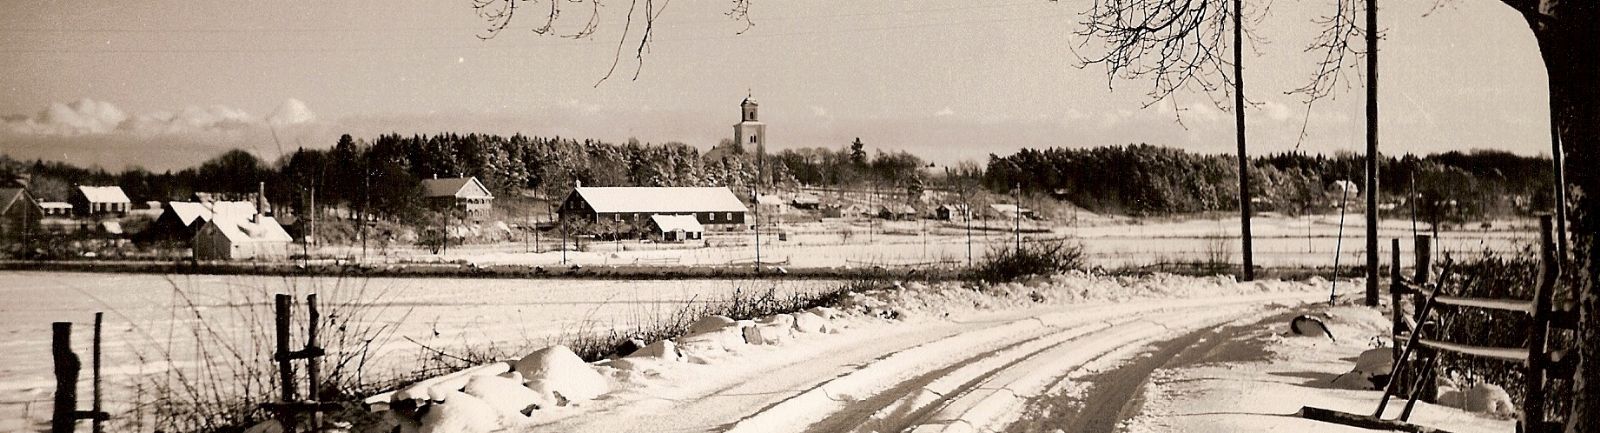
(946, 111)
(291, 112)
(216, 118)
(1276, 111)
(81, 117)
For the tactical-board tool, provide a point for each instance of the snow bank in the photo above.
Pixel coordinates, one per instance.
(558, 371)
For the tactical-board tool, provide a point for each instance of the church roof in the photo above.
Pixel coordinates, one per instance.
(660, 199)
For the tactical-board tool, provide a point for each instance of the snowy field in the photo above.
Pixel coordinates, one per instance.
(150, 314)
(1278, 241)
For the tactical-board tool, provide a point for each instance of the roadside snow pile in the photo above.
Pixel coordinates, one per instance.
(1475, 396)
(554, 381)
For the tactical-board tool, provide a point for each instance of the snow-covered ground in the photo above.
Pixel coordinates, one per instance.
(152, 320)
(1050, 355)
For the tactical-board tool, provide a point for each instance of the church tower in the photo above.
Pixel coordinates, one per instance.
(750, 133)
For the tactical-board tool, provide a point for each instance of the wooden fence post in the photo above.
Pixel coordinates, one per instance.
(66, 369)
(1423, 245)
(285, 362)
(98, 425)
(313, 364)
(1533, 405)
(1397, 289)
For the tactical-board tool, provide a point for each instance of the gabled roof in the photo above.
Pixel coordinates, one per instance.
(55, 205)
(238, 229)
(188, 211)
(805, 199)
(11, 196)
(104, 194)
(769, 199)
(660, 199)
(901, 209)
(668, 223)
(462, 187)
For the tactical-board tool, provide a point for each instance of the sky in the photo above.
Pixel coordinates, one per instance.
(166, 84)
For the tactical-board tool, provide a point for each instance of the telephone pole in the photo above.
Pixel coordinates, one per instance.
(1372, 153)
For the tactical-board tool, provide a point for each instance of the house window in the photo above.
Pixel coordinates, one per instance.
(730, 216)
(712, 216)
(752, 138)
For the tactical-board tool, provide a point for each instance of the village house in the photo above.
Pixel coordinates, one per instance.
(96, 201)
(464, 194)
(182, 219)
(231, 237)
(19, 214)
(56, 208)
(897, 212)
(711, 206)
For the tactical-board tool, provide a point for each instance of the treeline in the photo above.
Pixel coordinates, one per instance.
(382, 176)
(1144, 179)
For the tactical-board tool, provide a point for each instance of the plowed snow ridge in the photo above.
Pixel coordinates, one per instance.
(972, 376)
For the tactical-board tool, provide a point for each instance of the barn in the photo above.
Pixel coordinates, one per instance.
(99, 201)
(713, 207)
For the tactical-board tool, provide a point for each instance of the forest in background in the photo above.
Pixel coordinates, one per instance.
(382, 176)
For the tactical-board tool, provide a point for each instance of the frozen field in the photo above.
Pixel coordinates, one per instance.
(150, 314)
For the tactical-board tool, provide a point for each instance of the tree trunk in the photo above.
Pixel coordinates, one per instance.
(1567, 36)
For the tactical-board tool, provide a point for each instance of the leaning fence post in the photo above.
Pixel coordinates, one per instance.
(285, 361)
(1423, 245)
(66, 369)
(1549, 272)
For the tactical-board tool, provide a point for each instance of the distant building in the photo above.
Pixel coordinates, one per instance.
(897, 212)
(182, 219)
(19, 214)
(465, 194)
(1011, 211)
(89, 201)
(711, 206)
(676, 228)
(229, 237)
(805, 201)
(56, 208)
(750, 132)
(950, 212)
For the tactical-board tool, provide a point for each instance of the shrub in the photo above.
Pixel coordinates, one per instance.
(1034, 258)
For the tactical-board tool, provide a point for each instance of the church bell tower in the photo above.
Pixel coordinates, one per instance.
(750, 133)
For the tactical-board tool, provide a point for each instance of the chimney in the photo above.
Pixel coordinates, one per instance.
(577, 183)
(261, 202)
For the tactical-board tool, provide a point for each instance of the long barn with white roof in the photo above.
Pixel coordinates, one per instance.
(711, 206)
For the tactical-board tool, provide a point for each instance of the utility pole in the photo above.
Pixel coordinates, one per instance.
(1238, 124)
(1372, 153)
(756, 193)
(1016, 197)
(366, 201)
(1556, 160)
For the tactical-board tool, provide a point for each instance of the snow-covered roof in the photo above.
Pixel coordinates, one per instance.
(55, 205)
(769, 199)
(188, 211)
(668, 223)
(104, 194)
(239, 229)
(660, 199)
(1008, 208)
(463, 187)
(900, 209)
(806, 199)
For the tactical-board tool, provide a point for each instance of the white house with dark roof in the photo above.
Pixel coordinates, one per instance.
(99, 201)
(465, 194)
(676, 228)
(710, 206)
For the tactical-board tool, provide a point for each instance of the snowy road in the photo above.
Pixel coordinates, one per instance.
(976, 373)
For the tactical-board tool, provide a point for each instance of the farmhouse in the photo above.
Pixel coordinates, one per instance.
(99, 201)
(230, 237)
(949, 212)
(710, 206)
(19, 213)
(465, 194)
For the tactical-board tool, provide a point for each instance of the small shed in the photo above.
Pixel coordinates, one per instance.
(19, 213)
(949, 212)
(805, 201)
(99, 201)
(228, 237)
(676, 228)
